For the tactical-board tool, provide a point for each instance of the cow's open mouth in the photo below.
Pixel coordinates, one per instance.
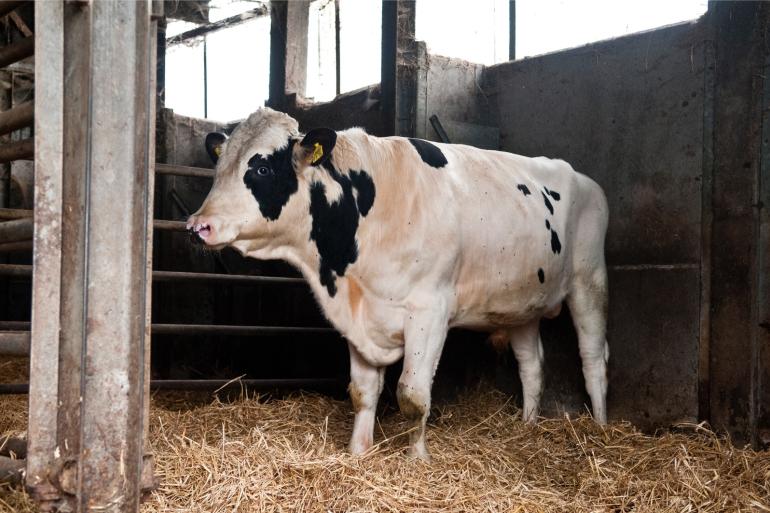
(200, 231)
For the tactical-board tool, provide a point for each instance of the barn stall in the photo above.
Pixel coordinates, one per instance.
(670, 122)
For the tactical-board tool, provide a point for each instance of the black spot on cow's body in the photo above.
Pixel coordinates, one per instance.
(547, 224)
(334, 225)
(429, 153)
(555, 195)
(555, 243)
(365, 191)
(541, 275)
(524, 189)
(547, 203)
(272, 180)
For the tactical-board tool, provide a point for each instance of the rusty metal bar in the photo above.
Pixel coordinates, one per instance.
(21, 270)
(172, 169)
(15, 231)
(237, 331)
(14, 213)
(14, 343)
(8, 6)
(17, 117)
(205, 329)
(17, 51)
(158, 224)
(14, 325)
(17, 150)
(210, 384)
(234, 278)
(165, 225)
(15, 270)
(13, 247)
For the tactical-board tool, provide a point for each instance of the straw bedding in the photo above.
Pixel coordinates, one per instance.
(288, 454)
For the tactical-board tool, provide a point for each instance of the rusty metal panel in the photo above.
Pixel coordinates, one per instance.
(44, 357)
(88, 392)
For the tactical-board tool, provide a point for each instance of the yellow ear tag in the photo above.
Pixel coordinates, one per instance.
(318, 152)
(218, 150)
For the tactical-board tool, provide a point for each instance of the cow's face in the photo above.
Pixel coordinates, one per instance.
(258, 173)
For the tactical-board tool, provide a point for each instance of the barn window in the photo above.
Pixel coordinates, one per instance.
(357, 44)
(476, 32)
(544, 26)
(206, 78)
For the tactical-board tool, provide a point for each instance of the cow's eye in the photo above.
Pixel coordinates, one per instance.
(263, 171)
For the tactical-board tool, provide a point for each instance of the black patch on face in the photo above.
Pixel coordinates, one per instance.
(272, 181)
(555, 244)
(547, 203)
(429, 153)
(541, 275)
(334, 225)
(524, 189)
(555, 195)
(547, 225)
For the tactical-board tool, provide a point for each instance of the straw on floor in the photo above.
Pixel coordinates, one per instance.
(260, 454)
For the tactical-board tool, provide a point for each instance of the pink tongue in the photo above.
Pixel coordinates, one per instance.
(204, 232)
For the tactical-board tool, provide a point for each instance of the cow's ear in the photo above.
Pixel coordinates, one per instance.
(214, 142)
(318, 145)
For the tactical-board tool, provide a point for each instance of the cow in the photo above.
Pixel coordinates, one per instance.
(402, 239)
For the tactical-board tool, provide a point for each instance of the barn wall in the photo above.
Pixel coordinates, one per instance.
(629, 113)
(449, 89)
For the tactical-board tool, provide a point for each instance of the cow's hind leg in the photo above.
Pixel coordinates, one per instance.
(588, 306)
(424, 334)
(526, 345)
(365, 387)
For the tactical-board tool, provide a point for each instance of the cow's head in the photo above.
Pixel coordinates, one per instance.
(258, 174)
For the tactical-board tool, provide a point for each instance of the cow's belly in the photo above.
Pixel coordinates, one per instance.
(506, 294)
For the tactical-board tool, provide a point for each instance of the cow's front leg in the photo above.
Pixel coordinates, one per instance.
(365, 388)
(424, 334)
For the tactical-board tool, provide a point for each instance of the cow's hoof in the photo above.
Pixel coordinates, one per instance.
(418, 452)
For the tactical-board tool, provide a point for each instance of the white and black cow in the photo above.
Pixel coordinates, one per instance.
(402, 239)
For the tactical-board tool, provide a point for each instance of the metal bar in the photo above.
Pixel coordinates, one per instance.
(15, 325)
(171, 169)
(14, 343)
(17, 117)
(165, 225)
(17, 150)
(17, 51)
(512, 30)
(16, 230)
(237, 331)
(205, 79)
(13, 247)
(209, 28)
(20, 270)
(439, 129)
(8, 6)
(46, 285)
(235, 278)
(158, 224)
(337, 66)
(14, 213)
(209, 384)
